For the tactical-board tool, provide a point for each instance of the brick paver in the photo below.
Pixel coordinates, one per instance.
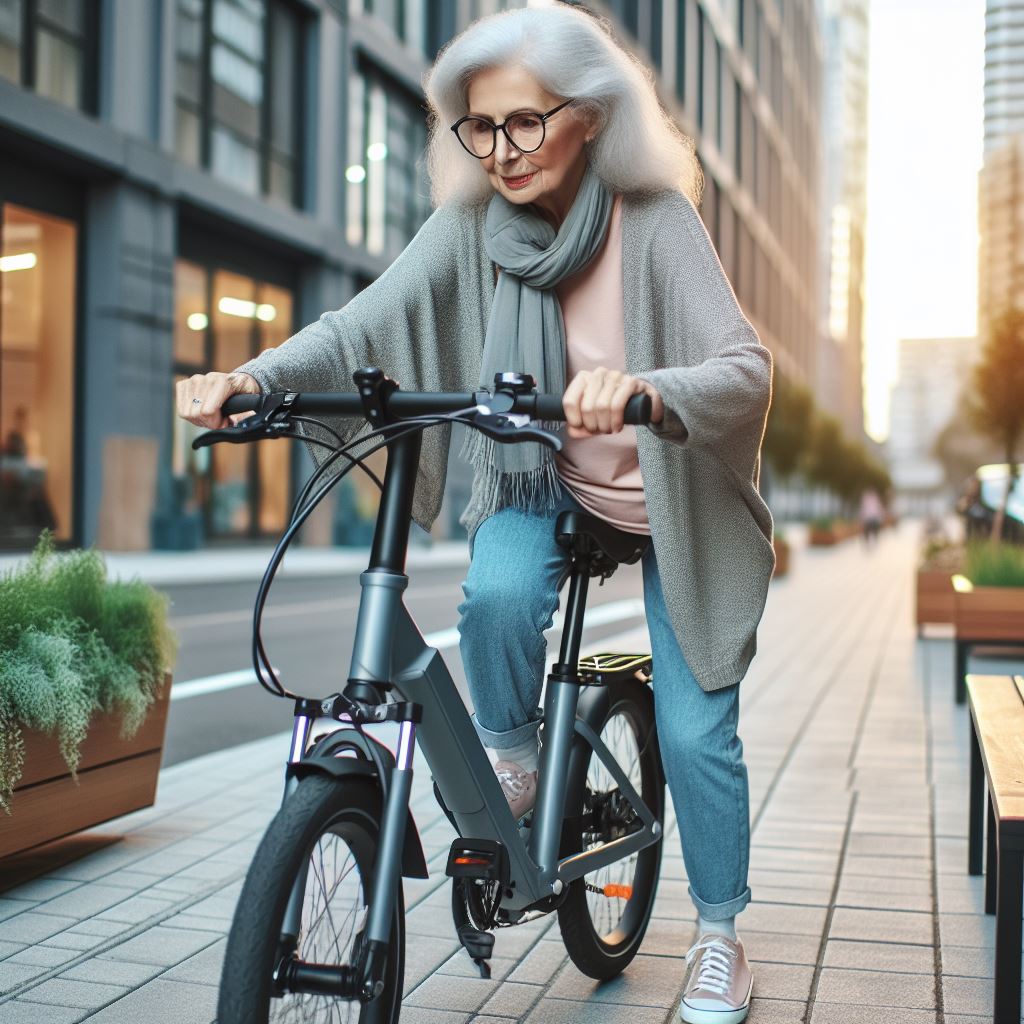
(862, 913)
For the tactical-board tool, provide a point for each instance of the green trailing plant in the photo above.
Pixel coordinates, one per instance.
(989, 564)
(73, 644)
(941, 553)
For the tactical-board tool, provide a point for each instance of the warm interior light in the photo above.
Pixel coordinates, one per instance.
(237, 307)
(266, 312)
(355, 174)
(197, 321)
(376, 151)
(19, 261)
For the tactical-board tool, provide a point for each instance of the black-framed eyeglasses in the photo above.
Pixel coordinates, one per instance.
(524, 130)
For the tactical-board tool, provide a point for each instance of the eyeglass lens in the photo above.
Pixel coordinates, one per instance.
(525, 130)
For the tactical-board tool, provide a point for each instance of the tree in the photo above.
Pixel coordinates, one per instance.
(996, 402)
(787, 436)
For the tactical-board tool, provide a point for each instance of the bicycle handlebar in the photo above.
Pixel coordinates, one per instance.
(427, 403)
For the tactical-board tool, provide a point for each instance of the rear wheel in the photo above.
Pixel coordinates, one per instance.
(605, 914)
(327, 829)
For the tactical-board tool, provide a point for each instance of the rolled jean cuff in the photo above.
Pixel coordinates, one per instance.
(512, 738)
(720, 911)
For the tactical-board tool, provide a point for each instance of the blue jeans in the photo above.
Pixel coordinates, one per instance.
(511, 595)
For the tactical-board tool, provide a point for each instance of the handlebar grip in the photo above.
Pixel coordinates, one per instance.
(242, 403)
(638, 409)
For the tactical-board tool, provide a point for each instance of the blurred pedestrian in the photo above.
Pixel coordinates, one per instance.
(872, 515)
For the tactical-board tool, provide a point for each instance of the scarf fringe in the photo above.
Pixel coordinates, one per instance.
(537, 489)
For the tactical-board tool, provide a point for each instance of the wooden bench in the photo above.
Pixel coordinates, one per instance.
(985, 617)
(997, 756)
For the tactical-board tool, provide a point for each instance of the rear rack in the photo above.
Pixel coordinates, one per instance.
(614, 667)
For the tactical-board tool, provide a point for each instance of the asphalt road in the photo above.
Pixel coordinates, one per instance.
(308, 632)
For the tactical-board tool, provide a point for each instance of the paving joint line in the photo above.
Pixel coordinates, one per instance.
(929, 710)
(800, 732)
(820, 959)
(122, 937)
(869, 696)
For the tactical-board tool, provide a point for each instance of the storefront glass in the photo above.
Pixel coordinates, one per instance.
(222, 319)
(37, 346)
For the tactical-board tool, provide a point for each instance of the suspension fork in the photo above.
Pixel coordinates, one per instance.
(368, 975)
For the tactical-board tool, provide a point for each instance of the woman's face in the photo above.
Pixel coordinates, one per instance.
(556, 168)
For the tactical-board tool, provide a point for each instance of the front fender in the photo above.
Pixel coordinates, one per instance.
(414, 864)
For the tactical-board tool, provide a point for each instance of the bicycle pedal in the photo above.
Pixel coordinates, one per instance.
(478, 858)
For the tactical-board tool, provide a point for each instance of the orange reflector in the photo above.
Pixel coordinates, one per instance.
(622, 891)
(472, 860)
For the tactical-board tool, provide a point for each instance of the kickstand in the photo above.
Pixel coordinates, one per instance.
(479, 945)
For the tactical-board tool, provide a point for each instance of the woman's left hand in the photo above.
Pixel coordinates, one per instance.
(595, 401)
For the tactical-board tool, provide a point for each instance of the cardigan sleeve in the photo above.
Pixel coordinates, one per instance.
(389, 324)
(720, 400)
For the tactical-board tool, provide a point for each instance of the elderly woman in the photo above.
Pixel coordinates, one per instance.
(565, 243)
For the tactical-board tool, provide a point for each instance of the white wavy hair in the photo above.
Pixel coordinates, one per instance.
(638, 148)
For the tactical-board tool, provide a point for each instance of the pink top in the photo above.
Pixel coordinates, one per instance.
(602, 472)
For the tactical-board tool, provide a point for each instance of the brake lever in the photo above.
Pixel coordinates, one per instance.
(271, 420)
(501, 429)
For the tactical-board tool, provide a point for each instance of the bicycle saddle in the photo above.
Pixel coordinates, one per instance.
(587, 535)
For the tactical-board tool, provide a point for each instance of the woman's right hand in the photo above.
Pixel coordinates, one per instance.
(199, 399)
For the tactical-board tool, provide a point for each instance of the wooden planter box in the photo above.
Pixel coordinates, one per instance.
(115, 776)
(935, 597)
(817, 537)
(781, 556)
(990, 613)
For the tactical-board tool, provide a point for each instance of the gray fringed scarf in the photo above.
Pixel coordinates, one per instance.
(526, 334)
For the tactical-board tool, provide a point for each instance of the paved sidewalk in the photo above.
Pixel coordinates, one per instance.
(231, 565)
(863, 912)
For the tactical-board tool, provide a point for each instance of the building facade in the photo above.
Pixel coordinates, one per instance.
(922, 402)
(840, 386)
(173, 201)
(1001, 180)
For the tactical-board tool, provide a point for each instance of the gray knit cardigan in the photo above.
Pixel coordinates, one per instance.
(423, 322)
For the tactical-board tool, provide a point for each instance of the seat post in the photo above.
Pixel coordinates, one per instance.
(572, 628)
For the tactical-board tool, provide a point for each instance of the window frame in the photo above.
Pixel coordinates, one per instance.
(265, 146)
(88, 44)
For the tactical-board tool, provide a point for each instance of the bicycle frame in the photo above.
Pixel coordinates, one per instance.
(389, 652)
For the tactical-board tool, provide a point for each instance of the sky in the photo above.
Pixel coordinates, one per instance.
(925, 141)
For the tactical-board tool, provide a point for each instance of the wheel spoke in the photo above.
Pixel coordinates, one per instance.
(620, 738)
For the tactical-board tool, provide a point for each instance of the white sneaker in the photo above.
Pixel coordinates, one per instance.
(518, 785)
(719, 984)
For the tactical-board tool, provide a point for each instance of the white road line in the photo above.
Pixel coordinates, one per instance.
(598, 615)
(329, 604)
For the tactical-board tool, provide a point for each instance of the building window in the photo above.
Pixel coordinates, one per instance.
(418, 22)
(37, 350)
(657, 17)
(682, 57)
(50, 46)
(700, 69)
(387, 193)
(221, 320)
(239, 109)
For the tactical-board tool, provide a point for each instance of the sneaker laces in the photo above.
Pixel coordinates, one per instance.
(715, 965)
(514, 779)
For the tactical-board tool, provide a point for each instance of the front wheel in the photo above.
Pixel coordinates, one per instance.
(605, 914)
(328, 830)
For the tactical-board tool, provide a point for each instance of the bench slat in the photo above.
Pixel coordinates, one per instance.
(997, 706)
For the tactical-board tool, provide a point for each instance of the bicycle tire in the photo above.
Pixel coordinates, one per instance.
(599, 953)
(319, 806)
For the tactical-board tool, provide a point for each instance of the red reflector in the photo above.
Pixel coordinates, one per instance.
(472, 860)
